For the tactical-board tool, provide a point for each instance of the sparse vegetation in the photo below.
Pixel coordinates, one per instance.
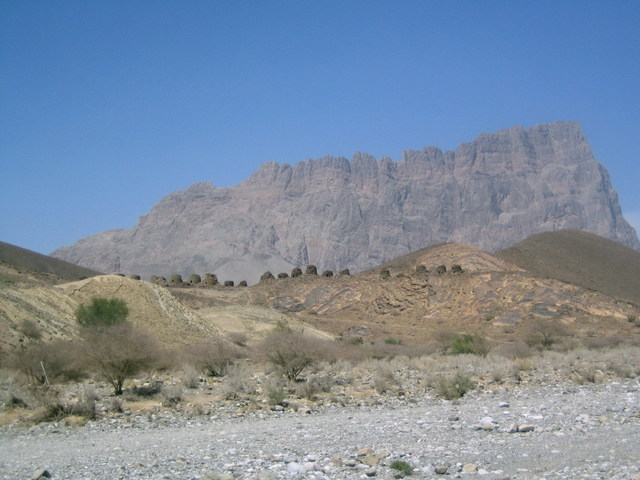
(212, 357)
(401, 466)
(469, 343)
(289, 351)
(451, 387)
(102, 312)
(544, 333)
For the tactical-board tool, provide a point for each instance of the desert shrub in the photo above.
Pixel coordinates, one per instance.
(289, 351)
(148, 389)
(30, 329)
(513, 350)
(296, 272)
(544, 333)
(190, 377)
(327, 273)
(469, 343)
(210, 279)
(311, 270)
(402, 467)
(384, 380)
(451, 387)
(171, 396)
(385, 274)
(194, 279)
(229, 283)
(45, 362)
(212, 357)
(84, 404)
(344, 272)
(421, 269)
(102, 312)
(283, 275)
(134, 277)
(308, 389)
(442, 340)
(392, 341)
(114, 405)
(440, 269)
(602, 343)
(275, 392)
(118, 352)
(456, 269)
(175, 279)
(239, 338)
(237, 380)
(266, 276)
(158, 280)
(243, 283)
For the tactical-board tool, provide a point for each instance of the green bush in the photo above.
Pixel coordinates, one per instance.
(102, 312)
(469, 343)
(402, 467)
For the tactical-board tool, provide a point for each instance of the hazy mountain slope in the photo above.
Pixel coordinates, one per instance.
(54, 269)
(491, 193)
(582, 259)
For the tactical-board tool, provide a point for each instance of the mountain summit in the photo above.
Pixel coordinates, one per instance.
(336, 213)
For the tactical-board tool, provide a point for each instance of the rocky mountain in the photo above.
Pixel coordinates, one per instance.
(336, 213)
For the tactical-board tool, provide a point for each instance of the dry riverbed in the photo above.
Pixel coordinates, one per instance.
(560, 430)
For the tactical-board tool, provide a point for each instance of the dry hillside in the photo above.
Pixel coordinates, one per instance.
(403, 300)
(582, 259)
(489, 296)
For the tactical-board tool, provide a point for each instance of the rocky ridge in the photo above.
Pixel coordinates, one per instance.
(336, 213)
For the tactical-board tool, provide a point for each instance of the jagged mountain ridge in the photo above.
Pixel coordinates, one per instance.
(490, 193)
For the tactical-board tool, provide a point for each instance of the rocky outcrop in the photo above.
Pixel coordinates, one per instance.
(335, 213)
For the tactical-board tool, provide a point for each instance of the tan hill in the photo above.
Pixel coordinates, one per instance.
(489, 296)
(404, 300)
(339, 213)
(53, 307)
(580, 258)
(20, 264)
(151, 307)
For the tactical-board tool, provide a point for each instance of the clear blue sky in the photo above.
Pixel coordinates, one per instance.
(107, 106)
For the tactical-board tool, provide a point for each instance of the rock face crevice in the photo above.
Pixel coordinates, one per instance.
(336, 213)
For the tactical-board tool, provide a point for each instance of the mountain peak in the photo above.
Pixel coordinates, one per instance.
(336, 213)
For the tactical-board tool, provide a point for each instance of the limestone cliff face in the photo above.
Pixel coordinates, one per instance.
(335, 213)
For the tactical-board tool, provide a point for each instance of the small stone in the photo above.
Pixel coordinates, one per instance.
(371, 472)
(363, 452)
(503, 404)
(441, 469)
(454, 418)
(350, 462)
(266, 475)
(370, 460)
(527, 427)
(294, 468)
(40, 473)
(488, 426)
(513, 428)
(469, 468)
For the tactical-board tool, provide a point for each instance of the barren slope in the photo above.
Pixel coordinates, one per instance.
(582, 259)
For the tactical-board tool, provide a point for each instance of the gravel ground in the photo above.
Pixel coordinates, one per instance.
(575, 432)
